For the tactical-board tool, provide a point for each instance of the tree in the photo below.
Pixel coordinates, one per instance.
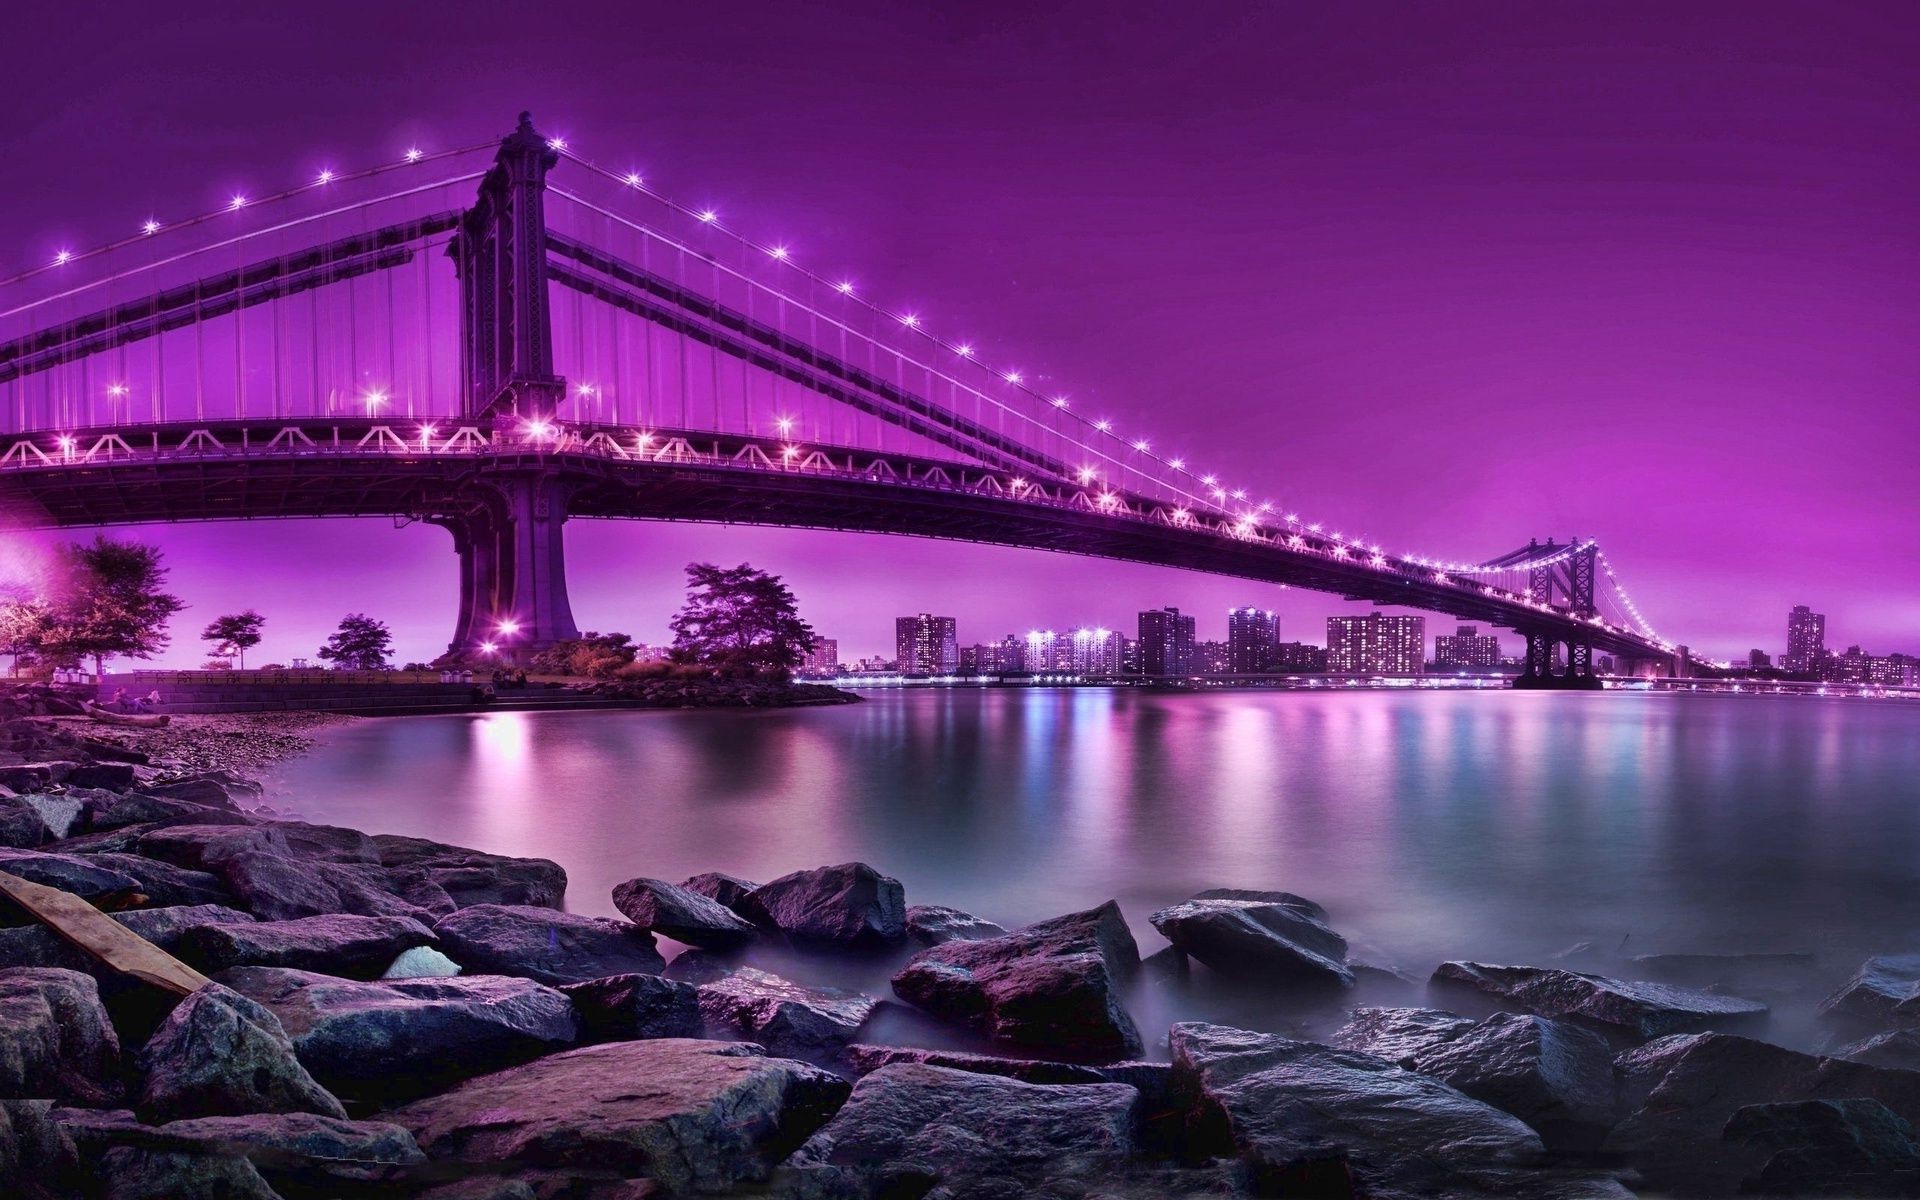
(235, 634)
(111, 602)
(360, 644)
(593, 655)
(740, 621)
(23, 628)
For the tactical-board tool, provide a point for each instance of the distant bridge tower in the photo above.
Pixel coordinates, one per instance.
(507, 524)
(1560, 576)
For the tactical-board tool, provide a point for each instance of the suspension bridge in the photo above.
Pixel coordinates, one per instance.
(500, 338)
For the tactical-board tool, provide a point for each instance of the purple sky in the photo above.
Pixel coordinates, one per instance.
(1454, 275)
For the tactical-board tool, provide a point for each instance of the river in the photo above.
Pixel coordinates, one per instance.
(1502, 826)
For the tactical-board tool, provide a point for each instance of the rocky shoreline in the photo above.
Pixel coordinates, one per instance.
(394, 1017)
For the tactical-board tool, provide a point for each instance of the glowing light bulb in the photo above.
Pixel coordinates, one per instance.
(910, 321)
(1013, 377)
(62, 258)
(1059, 401)
(509, 627)
(633, 179)
(116, 390)
(1178, 464)
(1103, 425)
(585, 389)
(785, 424)
(779, 252)
(375, 399)
(789, 451)
(237, 203)
(324, 177)
(844, 287)
(556, 143)
(709, 216)
(426, 431)
(66, 442)
(487, 647)
(149, 226)
(1141, 444)
(964, 350)
(415, 154)
(1209, 480)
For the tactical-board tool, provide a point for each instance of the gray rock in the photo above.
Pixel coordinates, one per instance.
(421, 962)
(1148, 1077)
(1885, 991)
(1264, 935)
(621, 1008)
(20, 824)
(57, 813)
(117, 777)
(38, 946)
(1398, 1034)
(56, 1041)
(141, 1173)
(210, 793)
(161, 813)
(914, 1129)
(348, 945)
(723, 889)
(303, 1154)
(1679, 1092)
(1828, 1148)
(1054, 985)
(681, 914)
(82, 877)
(205, 847)
(545, 944)
(790, 1020)
(1556, 1077)
(695, 1116)
(280, 887)
(851, 906)
(376, 1043)
(1300, 1116)
(698, 966)
(220, 1054)
(1898, 1048)
(934, 924)
(165, 884)
(33, 1147)
(1630, 1010)
(472, 877)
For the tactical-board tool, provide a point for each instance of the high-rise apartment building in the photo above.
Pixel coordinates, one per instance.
(1166, 642)
(1253, 640)
(1300, 656)
(1096, 652)
(824, 658)
(1806, 639)
(1376, 644)
(1210, 658)
(926, 645)
(1466, 650)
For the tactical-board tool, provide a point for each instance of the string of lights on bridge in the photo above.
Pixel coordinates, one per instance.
(1214, 492)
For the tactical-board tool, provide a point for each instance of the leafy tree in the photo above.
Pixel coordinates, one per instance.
(23, 629)
(112, 602)
(593, 655)
(360, 644)
(234, 634)
(740, 621)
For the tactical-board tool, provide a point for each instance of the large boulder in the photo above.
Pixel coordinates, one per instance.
(344, 944)
(158, 812)
(472, 877)
(1628, 1010)
(681, 914)
(220, 1054)
(914, 1129)
(1149, 1078)
(789, 1019)
(1261, 935)
(1678, 1093)
(1556, 1077)
(723, 889)
(934, 924)
(545, 944)
(34, 1149)
(1884, 991)
(851, 906)
(377, 1043)
(1053, 986)
(257, 1155)
(1398, 1034)
(39, 946)
(56, 1041)
(1898, 1048)
(1300, 1116)
(73, 873)
(695, 1116)
(163, 883)
(282, 887)
(20, 824)
(624, 1008)
(1828, 1148)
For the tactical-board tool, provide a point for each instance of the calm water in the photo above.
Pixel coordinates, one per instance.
(1432, 825)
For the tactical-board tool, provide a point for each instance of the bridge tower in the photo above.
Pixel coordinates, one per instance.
(507, 522)
(1559, 576)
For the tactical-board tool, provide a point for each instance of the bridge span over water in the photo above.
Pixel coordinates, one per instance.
(457, 339)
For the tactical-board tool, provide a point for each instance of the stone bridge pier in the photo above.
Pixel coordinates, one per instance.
(507, 530)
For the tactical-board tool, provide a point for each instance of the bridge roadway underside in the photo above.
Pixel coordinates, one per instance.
(505, 511)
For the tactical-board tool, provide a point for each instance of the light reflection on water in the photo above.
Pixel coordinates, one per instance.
(1432, 824)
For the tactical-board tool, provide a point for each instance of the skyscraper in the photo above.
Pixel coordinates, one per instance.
(1096, 652)
(1253, 640)
(1467, 649)
(1166, 642)
(824, 658)
(926, 645)
(1376, 644)
(1806, 639)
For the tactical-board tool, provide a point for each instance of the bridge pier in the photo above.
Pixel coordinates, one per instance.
(513, 572)
(1538, 674)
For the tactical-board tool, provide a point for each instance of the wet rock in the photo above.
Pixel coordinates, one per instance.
(34, 1149)
(1398, 1034)
(934, 924)
(1267, 935)
(1054, 985)
(69, 872)
(1678, 1093)
(701, 966)
(1556, 1077)
(210, 793)
(629, 1007)
(373, 1043)
(298, 1154)
(1898, 1048)
(113, 776)
(421, 962)
(1169, 964)
(161, 813)
(58, 813)
(851, 906)
(1148, 1077)
(1300, 1116)
(790, 1020)
(141, 1173)
(681, 914)
(695, 1116)
(348, 945)
(1630, 1010)
(1828, 1148)
(472, 877)
(278, 887)
(545, 944)
(56, 1041)
(1885, 991)
(914, 1129)
(20, 824)
(165, 884)
(723, 889)
(220, 1054)
(205, 847)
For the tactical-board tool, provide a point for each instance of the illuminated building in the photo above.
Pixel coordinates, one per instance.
(1166, 642)
(1253, 640)
(1806, 639)
(926, 645)
(1466, 649)
(1376, 644)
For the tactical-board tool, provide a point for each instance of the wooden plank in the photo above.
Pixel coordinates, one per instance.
(100, 937)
